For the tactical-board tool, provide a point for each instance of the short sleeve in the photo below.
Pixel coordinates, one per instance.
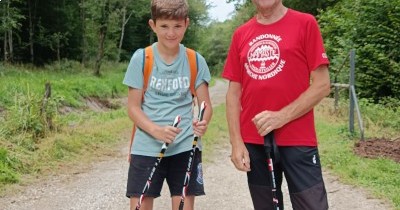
(134, 73)
(203, 72)
(314, 46)
(232, 64)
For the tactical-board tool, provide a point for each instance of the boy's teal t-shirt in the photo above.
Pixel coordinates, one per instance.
(167, 95)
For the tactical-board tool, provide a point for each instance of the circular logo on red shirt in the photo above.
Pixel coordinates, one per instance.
(263, 56)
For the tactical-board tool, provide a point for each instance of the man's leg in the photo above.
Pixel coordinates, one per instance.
(303, 173)
(259, 179)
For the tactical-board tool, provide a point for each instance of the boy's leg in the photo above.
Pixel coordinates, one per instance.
(303, 173)
(176, 178)
(189, 202)
(139, 171)
(259, 179)
(147, 203)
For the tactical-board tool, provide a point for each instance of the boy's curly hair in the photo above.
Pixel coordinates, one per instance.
(169, 9)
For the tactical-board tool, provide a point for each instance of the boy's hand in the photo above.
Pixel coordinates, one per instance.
(167, 133)
(199, 127)
(129, 157)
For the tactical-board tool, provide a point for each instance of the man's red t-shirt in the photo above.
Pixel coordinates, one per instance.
(273, 64)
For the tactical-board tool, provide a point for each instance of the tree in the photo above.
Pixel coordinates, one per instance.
(126, 13)
(103, 24)
(10, 25)
(373, 32)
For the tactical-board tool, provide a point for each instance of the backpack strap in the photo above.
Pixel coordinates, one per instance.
(147, 65)
(192, 57)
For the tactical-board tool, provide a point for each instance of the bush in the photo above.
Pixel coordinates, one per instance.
(30, 114)
(7, 173)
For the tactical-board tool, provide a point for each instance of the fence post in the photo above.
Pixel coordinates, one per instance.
(351, 83)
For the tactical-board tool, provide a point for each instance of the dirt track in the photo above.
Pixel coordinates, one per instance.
(102, 186)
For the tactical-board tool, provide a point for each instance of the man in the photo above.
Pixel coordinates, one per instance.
(278, 71)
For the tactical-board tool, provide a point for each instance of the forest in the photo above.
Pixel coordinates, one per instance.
(89, 32)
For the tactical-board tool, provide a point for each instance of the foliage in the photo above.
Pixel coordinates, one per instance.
(312, 7)
(215, 42)
(49, 31)
(216, 37)
(31, 114)
(373, 32)
(198, 17)
(7, 172)
(26, 111)
(380, 115)
(27, 144)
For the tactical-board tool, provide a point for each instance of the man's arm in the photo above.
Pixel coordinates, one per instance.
(240, 155)
(319, 88)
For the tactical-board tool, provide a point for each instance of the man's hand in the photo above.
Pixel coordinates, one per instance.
(240, 157)
(268, 121)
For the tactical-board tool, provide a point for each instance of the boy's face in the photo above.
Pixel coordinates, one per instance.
(169, 32)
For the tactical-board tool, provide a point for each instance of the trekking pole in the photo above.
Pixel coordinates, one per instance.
(191, 159)
(268, 141)
(160, 156)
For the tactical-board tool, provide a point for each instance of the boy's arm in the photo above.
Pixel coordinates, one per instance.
(131, 142)
(136, 114)
(203, 95)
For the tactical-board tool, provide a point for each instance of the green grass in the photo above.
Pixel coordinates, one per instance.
(217, 131)
(93, 136)
(28, 146)
(380, 176)
(69, 86)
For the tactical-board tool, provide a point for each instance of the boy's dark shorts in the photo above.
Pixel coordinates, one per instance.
(302, 169)
(172, 169)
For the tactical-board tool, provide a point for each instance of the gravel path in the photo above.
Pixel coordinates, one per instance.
(102, 186)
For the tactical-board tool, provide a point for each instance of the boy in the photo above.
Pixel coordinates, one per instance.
(153, 109)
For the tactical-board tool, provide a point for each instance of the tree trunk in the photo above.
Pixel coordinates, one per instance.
(83, 41)
(124, 22)
(102, 38)
(31, 29)
(100, 52)
(7, 12)
(5, 48)
(58, 51)
(10, 45)
(122, 33)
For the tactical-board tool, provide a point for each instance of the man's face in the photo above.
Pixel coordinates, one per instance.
(266, 4)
